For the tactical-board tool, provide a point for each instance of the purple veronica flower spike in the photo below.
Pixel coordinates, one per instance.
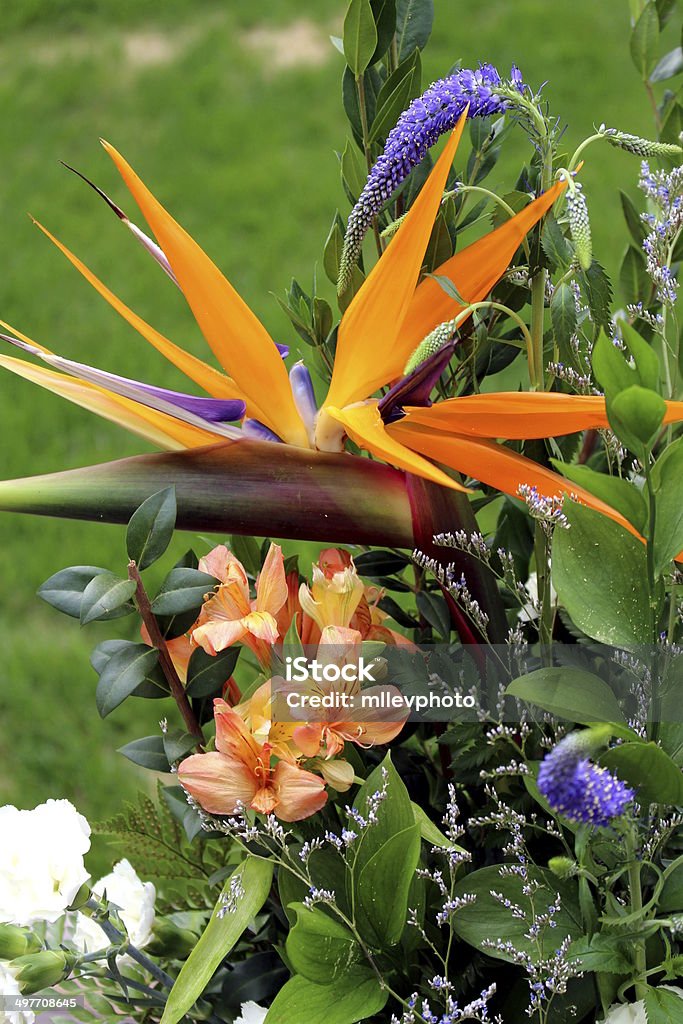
(578, 789)
(430, 115)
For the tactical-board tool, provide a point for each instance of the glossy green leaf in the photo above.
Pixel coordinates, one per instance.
(428, 830)
(636, 416)
(667, 478)
(647, 768)
(106, 593)
(645, 40)
(122, 675)
(600, 574)
(384, 13)
(248, 551)
(568, 693)
(555, 245)
(148, 752)
(400, 88)
(353, 173)
(319, 947)
(360, 36)
(487, 919)
(644, 356)
(434, 609)
(671, 897)
(178, 744)
(181, 591)
(333, 249)
(254, 877)
(668, 66)
(64, 590)
(151, 528)
(386, 858)
(414, 20)
(355, 996)
(206, 673)
(622, 495)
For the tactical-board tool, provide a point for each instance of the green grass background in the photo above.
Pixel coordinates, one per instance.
(242, 152)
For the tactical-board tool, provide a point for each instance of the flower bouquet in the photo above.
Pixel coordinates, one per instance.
(427, 765)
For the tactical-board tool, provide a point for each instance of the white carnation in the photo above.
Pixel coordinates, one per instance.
(252, 1013)
(135, 902)
(633, 1013)
(41, 861)
(9, 988)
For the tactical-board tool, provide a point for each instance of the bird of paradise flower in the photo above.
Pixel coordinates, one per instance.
(389, 316)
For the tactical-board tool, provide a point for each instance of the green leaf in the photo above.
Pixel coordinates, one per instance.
(620, 494)
(645, 766)
(673, 125)
(665, 8)
(355, 996)
(488, 919)
(663, 1006)
(554, 244)
(181, 591)
(151, 528)
(645, 40)
(384, 13)
(178, 744)
(360, 36)
(667, 478)
(600, 573)
(400, 88)
(598, 290)
(634, 281)
(206, 673)
(380, 563)
(352, 171)
(222, 932)
(434, 609)
(320, 947)
(386, 858)
(414, 20)
(568, 693)
(333, 249)
(106, 593)
(644, 356)
(148, 752)
(64, 590)
(600, 954)
(428, 830)
(636, 416)
(248, 552)
(563, 315)
(611, 370)
(671, 897)
(670, 65)
(123, 674)
(632, 217)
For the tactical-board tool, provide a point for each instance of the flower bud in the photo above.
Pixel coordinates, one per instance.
(638, 146)
(563, 867)
(430, 345)
(168, 940)
(37, 971)
(16, 942)
(339, 774)
(579, 225)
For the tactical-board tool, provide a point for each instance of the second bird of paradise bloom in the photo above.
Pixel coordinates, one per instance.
(392, 312)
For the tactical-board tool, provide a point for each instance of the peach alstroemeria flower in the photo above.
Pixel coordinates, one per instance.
(335, 592)
(327, 738)
(230, 615)
(239, 774)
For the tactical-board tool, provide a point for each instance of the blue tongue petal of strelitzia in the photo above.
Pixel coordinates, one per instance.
(210, 410)
(416, 387)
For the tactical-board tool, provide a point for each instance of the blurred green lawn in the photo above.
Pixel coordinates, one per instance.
(231, 113)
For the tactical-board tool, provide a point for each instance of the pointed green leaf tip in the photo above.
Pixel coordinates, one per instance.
(151, 528)
(360, 36)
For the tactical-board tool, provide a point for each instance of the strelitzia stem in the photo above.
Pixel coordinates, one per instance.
(165, 660)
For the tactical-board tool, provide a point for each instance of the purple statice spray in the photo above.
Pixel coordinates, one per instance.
(578, 789)
(427, 118)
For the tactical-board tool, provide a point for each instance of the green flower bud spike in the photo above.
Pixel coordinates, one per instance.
(638, 146)
(563, 867)
(579, 224)
(430, 345)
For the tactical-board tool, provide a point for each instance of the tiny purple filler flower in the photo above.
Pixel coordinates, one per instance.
(578, 789)
(427, 118)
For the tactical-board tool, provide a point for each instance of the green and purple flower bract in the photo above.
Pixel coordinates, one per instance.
(427, 118)
(578, 789)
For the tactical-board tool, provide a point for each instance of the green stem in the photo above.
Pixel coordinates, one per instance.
(634, 882)
(655, 695)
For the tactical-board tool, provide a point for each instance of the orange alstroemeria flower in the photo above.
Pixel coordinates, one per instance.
(239, 774)
(230, 615)
(391, 313)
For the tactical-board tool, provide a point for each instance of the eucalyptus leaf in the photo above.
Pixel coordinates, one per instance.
(104, 595)
(148, 752)
(181, 591)
(123, 674)
(207, 673)
(64, 590)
